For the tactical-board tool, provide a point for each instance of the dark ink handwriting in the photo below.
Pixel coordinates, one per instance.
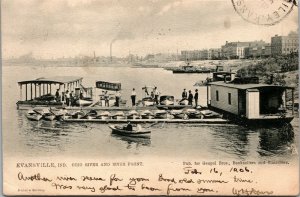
(161, 178)
(89, 178)
(113, 178)
(175, 189)
(190, 170)
(36, 177)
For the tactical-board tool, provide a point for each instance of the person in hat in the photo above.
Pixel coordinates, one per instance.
(67, 98)
(190, 98)
(196, 97)
(184, 94)
(57, 96)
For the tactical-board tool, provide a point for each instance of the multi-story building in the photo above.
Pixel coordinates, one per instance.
(284, 44)
(194, 55)
(214, 53)
(258, 50)
(236, 50)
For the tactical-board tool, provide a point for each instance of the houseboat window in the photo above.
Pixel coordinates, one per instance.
(229, 98)
(217, 95)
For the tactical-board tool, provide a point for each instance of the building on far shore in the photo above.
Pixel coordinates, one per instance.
(214, 53)
(282, 45)
(258, 51)
(236, 50)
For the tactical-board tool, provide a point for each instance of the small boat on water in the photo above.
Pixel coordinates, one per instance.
(119, 115)
(194, 114)
(161, 114)
(84, 102)
(179, 114)
(90, 115)
(133, 115)
(184, 102)
(136, 131)
(167, 100)
(147, 114)
(104, 115)
(210, 114)
(49, 116)
(31, 115)
(148, 101)
(78, 115)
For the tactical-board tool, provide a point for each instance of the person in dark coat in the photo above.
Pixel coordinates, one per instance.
(57, 97)
(184, 94)
(196, 97)
(190, 98)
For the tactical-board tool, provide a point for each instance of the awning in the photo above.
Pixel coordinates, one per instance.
(52, 80)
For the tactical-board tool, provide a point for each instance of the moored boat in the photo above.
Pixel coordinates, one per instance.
(167, 100)
(104, 115)
(148, 101)
(133, 115)
(78, 114)
(31, 115)
(118, 115)
(49, 116)
(84, 102)
(161, 114)
(146, 114)
(137, 131)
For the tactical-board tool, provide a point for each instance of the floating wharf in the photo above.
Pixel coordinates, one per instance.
(200, 121)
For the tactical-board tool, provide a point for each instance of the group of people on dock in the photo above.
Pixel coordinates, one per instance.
(190, 97)
(69, 98)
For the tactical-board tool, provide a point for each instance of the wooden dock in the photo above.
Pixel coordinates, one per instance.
(199, 121)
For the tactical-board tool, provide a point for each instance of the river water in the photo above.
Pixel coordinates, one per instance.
(31, 139)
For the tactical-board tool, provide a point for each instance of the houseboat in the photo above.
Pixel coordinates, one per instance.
(250, 102)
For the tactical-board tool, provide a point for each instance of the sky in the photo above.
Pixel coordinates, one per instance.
(57, 28)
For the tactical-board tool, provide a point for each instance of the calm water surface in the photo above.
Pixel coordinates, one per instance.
(32, 139)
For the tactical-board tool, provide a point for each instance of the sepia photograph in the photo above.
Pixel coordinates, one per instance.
(150, 97)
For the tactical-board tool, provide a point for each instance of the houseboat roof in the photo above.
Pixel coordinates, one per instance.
(247, 86)
(52, 80)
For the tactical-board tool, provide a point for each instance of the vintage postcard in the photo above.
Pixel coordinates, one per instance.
(150, 97)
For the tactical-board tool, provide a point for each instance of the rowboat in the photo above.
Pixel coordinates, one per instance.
(31, 115)
(179, 114)
(146, 114)
(84, 102)
(137, 131)
(133, 115)
(148, 101)
(90, 115)
(184, 102)
(161, 114)
(78, 115)
(118, 115)
(49, 116)
(104, 115)
(167, 100)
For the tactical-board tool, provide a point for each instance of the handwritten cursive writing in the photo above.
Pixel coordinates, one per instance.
(35, 177)
(175, 189)
(250, 192)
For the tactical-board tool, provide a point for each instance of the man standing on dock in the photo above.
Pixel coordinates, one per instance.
(118, 97)
(67, 98)
(196, 97)
(184, 94)
(156, 95)
(190, 98)
(106, 98)
(133, 97)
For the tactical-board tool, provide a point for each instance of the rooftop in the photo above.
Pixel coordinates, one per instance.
(52, 80)
(247, 86)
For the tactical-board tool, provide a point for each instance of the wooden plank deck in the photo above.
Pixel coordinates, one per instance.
(200, 121)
